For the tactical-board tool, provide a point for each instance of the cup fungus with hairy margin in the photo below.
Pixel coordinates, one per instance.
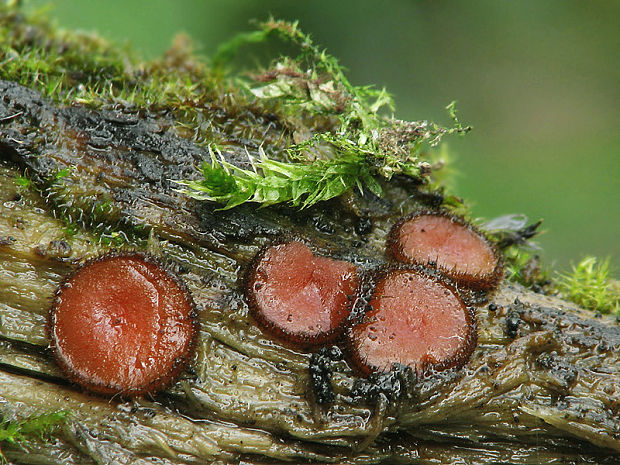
(448, 243)
(300, 297)
(415, 320)
(122, 324)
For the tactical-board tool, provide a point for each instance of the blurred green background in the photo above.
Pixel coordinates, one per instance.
(538, 80)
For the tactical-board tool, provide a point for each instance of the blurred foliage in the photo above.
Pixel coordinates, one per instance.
(538, 80)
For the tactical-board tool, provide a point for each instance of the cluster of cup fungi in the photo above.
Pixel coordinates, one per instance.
(407, 312)
(123, 324)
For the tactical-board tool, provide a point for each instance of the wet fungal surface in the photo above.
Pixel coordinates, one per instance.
(449, 244)
(414, 320)
(122, 324)
(300, 297)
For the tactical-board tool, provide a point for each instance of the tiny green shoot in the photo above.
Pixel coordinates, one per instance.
(23, 181)
(523, 266)
(62, 173)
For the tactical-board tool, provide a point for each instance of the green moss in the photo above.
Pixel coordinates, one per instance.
(297, 183)
(60, 65)
(14, 432)
(23, 181)
(590, 285)
(523, 266)
(72, 67)
(351, 144)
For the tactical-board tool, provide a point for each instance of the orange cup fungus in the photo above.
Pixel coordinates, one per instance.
(415, 320)
(122, 324)
(449, 244)
(300, 297)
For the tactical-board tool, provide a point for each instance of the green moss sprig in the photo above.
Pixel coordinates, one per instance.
(590, 285)
(360, 146)
(14, 432)
(273, 182)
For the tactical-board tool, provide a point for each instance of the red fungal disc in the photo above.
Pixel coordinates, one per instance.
(448, 243)
(414, 320)
(122, 324)
(298, 296)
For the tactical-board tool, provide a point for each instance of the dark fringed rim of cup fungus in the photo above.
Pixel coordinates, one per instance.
(254, 282)
(481, 281)
(159, 376)
(364, 315)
